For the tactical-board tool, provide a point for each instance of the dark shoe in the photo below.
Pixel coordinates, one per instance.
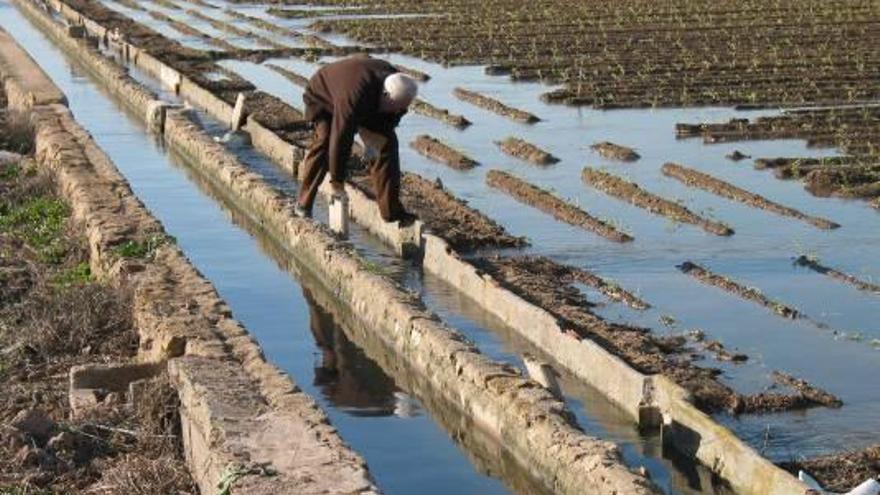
(405, 219)
(301, 212)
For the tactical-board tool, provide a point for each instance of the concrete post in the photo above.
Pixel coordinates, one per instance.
(339, 215)
(543, 373)
(238, 115)
(76, 31)
(156, 117)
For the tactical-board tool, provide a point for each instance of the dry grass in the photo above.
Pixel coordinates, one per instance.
(18, 132)
(54, 315)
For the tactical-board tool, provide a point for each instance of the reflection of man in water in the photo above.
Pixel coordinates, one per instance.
(348, 379)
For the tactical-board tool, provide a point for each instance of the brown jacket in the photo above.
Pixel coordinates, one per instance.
(348, 93)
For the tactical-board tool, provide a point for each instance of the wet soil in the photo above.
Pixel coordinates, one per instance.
(841, 472)
(816, 266)
(854, 130)
(466, 229)
(422, 107)
(807, 390)
(615, 151)
(548, 203)
(495, 106)
(438, 151)
(616, 55)
(706, 182)
(526, 151)
(752, 294)
(633, 194)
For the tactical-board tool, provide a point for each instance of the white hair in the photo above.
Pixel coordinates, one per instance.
(401, 88)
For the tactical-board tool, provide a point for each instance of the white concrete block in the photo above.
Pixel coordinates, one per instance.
(339, 215)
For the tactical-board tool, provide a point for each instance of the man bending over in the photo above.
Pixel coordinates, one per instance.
(363, 95)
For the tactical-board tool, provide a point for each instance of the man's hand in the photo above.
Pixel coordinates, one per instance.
(337, 189)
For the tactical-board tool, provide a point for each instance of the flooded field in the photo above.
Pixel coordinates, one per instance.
(639, 216)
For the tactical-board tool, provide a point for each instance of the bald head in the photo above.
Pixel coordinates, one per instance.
(399, 91)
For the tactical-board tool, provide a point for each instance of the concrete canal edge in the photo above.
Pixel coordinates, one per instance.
(239, 413)
(532, 424)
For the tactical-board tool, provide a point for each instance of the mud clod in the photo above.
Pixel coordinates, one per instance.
(441, 152)
(422, 107)
(737, 155)
(633, 194)
(495, 106)
(615, 151)
(526, 151)
(729, 285)
(706, 182)
(548, 203)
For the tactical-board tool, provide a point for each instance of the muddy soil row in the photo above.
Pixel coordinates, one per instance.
(796, 163)
(633, 194)
(188, 30)
(441, 152)
(413, 73)
(466, 229)
(298, 79)
(526, 151)
(816, 266)
(495, 106)
(548, 203)
(422, 107)
(615, 151)
(571, 275)
(855, 131)
(551, 286)
(752, 294)
(711, 184)
(233, 29)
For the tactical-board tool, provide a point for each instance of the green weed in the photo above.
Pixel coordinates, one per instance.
(76, 275)
(39, 222)
(144, 249)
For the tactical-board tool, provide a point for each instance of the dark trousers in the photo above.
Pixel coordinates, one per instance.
(384, 172)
